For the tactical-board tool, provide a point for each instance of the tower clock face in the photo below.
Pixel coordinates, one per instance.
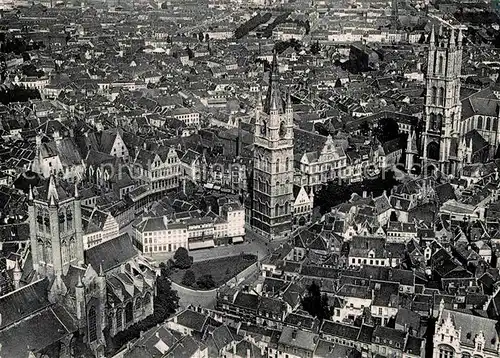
(282, 129)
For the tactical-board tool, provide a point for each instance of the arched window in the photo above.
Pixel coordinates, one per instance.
(441, 96)
(65, 251)
(439, 121)
(138, 305)
(263, 129)
(72, 248)
(92, 325)
(277, 210)
(129, 313)
(286, 207)
(488, 124)
(287, 164)
(278, 188)
(446, 352)
(433, 95)
(432, 121)
(433, 151)
(495, 124)
(41, 251)
(69, 220)
(277, 165)
(147, 301)
(48, 252)
(480, 122)
(119, 319)
(440, 65)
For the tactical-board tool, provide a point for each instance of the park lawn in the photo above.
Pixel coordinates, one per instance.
(222, 269)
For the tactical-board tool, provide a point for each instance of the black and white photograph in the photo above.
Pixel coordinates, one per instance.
(250, 179)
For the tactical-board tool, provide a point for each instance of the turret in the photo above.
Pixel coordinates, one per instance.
(16, 275)
(78, 226)
(432, 37)
(80, 299)
(459, 37)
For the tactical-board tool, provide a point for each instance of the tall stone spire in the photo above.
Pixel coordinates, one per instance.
(52, 196)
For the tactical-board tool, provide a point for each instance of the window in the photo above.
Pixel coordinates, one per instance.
(129, 314)
(119, 318)
(433, 95)
(446, 352)
(441, 96)
(92, 325)
(440, 65)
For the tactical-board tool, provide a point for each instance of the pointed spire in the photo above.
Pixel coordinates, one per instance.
(79, 283)
(451, 41)
(432, 37)
(77, 194)
(30, 194)
(52, 195)
(274, 64)
(459, 37)
(289, 98)
(16, 267)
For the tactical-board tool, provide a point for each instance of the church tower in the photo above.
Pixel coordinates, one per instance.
(273, 170)
(56, 233)
(442, 109)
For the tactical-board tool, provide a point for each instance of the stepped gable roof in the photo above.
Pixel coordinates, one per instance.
(111, 253)
(471, 326)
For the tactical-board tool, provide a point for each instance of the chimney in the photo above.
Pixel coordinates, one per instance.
(365, 194)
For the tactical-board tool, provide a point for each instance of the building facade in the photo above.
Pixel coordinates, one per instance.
(442, 110)
(272, 192)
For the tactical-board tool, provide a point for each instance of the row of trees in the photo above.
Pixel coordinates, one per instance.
(18, 46)
(18, 94)
(204, 282)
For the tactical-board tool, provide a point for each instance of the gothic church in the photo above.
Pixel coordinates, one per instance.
(79, 294)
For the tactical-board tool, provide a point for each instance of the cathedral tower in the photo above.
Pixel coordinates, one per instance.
(442, 102)
(56, 233)
(272, 193)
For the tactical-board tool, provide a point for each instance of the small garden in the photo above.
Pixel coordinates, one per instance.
(209, 274)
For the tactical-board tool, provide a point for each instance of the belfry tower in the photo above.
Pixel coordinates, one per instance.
(272, 193)
(442, 108)
(56, 233)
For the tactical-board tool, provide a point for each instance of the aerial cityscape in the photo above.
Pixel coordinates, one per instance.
(278, 179)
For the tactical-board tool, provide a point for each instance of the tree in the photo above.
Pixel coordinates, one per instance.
(315, 303)
(166, 301)
(315, 48)
(364, 127)
(205, 282)
(387, 129)
(189, 278)
(182, 259)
